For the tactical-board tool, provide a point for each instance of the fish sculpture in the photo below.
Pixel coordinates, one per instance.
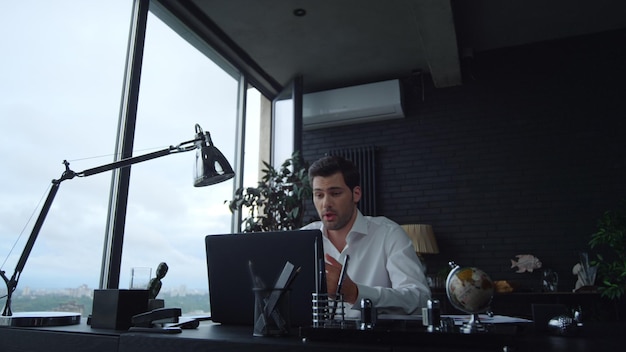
(525, 262)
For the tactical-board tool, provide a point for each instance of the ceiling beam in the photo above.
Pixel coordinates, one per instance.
(436, 31)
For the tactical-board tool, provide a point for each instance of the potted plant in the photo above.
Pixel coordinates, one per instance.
(278, 202)
(610, 240)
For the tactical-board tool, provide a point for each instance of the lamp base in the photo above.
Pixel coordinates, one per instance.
(34, 319)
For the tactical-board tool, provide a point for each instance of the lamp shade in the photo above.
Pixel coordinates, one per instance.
(423, 238)
(211, 166)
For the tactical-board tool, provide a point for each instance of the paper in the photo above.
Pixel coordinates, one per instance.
(460, 319)
(485, 319)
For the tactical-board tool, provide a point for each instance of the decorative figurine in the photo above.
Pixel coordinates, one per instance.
(525, 262)
(155, 283)
(585, 272)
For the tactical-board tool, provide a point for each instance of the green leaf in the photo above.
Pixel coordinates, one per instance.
(610, 242)
(277, 203)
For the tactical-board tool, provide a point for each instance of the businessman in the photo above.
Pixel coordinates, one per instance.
(383, 264)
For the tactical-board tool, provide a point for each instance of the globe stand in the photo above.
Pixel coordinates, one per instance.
(474, 325)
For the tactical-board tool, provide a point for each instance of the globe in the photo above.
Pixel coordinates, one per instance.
(469, 289)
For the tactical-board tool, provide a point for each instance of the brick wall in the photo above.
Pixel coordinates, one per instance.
(522, 158)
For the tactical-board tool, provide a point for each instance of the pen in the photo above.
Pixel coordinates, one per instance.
(256, 281)
(292, 277)
(344, 268)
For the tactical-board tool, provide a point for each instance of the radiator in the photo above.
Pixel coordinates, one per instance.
(365, 160)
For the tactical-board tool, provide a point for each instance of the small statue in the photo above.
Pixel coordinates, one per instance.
(585, 272)
(155, 283)
(578, 271)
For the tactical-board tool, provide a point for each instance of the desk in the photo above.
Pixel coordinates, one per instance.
(519, 303)
(62, 338)
(212, 337)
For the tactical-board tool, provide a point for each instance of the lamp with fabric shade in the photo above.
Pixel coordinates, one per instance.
(423, 238)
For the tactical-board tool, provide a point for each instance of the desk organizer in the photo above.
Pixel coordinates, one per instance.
(114, 309)
(328, 312)
(271, 312)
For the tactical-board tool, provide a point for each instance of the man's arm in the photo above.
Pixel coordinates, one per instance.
(333, 272)
(409, 289)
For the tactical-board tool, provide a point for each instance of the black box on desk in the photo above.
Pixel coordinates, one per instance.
(114, 309)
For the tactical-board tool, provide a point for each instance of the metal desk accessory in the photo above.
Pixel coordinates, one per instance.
(431, 316)
(368, 315)
(155, 321)
(566, 325)
(328, 313)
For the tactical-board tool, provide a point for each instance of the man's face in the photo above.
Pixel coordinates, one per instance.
(334, 201)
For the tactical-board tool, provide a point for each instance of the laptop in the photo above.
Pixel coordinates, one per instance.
(230, 281)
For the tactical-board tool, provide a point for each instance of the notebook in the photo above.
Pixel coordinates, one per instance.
(230, 282)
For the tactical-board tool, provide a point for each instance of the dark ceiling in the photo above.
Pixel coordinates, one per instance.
(336, 43)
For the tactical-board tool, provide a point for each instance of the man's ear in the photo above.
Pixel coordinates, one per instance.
(356, 194)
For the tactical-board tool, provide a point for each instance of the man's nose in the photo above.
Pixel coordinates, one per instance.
(326, 203)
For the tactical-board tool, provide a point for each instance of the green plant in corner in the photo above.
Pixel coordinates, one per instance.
(610, 239)
(277, 203)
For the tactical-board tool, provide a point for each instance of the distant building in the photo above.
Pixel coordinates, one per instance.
(70, 307)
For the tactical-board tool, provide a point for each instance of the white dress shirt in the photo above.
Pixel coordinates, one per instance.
(383, 264)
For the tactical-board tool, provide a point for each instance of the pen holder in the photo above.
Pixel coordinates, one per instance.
(114, 309)
(321, 312)
(271, 312)
(327, 312)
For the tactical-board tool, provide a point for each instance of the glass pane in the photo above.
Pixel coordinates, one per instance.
(167, 217)
(253, 128)
(283, 131)
(61, 73)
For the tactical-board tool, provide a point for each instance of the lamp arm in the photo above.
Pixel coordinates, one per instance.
(183, 147)
(12, 282)
(67, 175)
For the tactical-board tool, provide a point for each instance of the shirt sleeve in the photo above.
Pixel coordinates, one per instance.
(409, 290)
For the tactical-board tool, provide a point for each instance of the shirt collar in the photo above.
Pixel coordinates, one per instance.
(360, 224)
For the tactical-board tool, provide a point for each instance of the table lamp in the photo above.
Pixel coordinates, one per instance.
(211, 167)
(423, 239)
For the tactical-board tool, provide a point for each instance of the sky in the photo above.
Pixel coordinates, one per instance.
(61, 74)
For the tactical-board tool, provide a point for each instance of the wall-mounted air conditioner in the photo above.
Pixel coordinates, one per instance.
(351, 105)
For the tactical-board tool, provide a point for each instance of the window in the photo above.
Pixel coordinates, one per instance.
(287, 122)
(61, 74)
(61, 86)
(167, 218)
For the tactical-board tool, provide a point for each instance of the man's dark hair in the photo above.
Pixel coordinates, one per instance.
(330, 165)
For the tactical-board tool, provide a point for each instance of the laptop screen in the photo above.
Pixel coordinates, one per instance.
(230, 281)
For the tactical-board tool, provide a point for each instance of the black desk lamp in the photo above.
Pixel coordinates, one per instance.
(211, 167)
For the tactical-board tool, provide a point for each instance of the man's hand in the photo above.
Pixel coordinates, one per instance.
(333, 270)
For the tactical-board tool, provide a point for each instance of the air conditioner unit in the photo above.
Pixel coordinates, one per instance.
(351, 105)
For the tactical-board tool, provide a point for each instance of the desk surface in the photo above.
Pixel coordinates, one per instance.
(214, 337)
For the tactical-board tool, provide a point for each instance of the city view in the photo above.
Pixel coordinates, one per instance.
(80, 300)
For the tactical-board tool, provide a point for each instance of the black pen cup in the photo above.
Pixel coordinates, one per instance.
(271, 312)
